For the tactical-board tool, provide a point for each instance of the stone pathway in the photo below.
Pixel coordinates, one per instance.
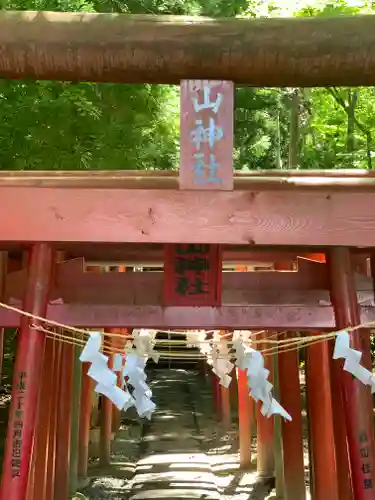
(182, 453)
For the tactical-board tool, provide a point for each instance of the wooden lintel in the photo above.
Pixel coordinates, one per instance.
(291, 217)
(308, 286)
(229, 317)
(73, 285)
(236, 317)
(149, 255)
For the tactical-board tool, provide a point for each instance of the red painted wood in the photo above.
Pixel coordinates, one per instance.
(285, 179)
(236, 317)
(116, 413)
(51, 463)
(192, 275)
(72, 284)
(245, 414)
(152, 297)
(292, 439)
(118, 343)
(3, 279)
(137, 253)
(313, 257)
(206, 135)
(361, 264)
(265, 430)
(43, 430)
(27, 380)
(233, 389)
(65, 389)
(225, 403)
(356, 397)
(106, 421)
(84, 422)
(339, 429)
(225, 399)
(325, 485)
(289, 217)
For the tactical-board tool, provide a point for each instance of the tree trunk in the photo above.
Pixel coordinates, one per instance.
(294, 130)
(278, 141)
(352, 103)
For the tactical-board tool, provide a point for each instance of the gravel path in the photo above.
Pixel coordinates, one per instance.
(181, 453)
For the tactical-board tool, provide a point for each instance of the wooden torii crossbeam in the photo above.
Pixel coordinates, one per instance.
(318, 211)
(302, 52)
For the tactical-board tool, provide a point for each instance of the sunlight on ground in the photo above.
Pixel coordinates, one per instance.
(173, 458)
(194, 475)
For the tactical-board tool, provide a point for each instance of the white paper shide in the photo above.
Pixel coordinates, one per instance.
(133, 389)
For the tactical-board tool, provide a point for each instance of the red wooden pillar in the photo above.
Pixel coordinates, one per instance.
(225, 400)
(63, 431)
(265, 432)
(42, 437)
(290, 398)
(321, 422)
(356, 397)
(27, 378)
(233, 389)
(106, 421)
(226, 416)
(119, 344)
(51, 461)
(245, 413)
(292, 439)
(3, 274)
(116, 413)
(341, 446)
(84, 421)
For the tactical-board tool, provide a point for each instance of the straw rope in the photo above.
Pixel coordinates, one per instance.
(76, 336)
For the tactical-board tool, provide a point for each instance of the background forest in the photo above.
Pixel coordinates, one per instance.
(59, 125)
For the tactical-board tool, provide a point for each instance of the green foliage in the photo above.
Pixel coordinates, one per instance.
(57, 125)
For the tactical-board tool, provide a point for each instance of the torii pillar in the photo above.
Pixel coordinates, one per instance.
(356, 397)
(265, 429)
(27, 378)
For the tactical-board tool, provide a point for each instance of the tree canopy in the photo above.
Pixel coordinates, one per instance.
(60, 125)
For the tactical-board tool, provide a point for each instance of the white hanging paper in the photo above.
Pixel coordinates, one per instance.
(277, 409)
(342, 345)
(225, 381)
(117, 362)
(352, 360)
(102, 374)
(118, 397)
(134, 369)
(92, 347)
(106, 378)
(145, 407)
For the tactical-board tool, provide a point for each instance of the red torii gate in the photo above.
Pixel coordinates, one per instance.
(296, 213)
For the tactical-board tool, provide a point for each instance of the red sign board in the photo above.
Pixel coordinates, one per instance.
(206, 131)
(192, 275)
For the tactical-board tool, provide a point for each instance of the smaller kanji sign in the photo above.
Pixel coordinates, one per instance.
(18, 424)
(192, 275)
(366, 467)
